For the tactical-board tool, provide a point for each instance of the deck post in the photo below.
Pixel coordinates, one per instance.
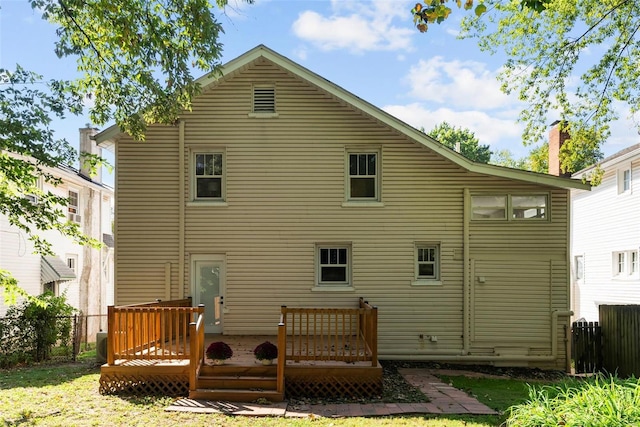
(111, 329)
(193, 344)
(374, 336)
(282, 350)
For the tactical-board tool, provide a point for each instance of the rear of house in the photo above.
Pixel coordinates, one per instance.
(280, 188)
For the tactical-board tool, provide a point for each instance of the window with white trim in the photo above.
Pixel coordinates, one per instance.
(72, 262)
(363, 171)
(625, 264)
(208, 176)
(72, 208)
(624, 180)
(427, 261)
(579, 266)
(333, 265)
(509, 207)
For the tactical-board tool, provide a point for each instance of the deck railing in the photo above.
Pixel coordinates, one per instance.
(196, 344)
(150, 331)
(329, 334)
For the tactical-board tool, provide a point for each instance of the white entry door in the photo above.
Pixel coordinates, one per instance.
(208, 289)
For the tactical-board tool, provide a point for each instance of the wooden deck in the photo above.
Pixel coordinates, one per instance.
(160, 360)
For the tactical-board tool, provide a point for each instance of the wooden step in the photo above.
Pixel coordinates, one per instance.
(239, 370)
(237, 382)
(236, 395)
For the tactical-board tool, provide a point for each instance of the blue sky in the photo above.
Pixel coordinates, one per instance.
(369, 48)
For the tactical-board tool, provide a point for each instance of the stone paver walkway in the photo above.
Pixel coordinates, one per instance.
(443, 399)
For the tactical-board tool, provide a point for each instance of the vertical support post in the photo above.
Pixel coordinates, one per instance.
(193, 355)
(111, 328)
(374, 336)
(282, 349)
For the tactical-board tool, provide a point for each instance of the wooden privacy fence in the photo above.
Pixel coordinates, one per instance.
(330, 334)
(586, 346)
(150, 331)
(621, 339)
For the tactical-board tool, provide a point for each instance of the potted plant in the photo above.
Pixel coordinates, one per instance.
(266, 352)
(219, 351)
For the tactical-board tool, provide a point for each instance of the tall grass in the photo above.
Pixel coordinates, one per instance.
(598, 401)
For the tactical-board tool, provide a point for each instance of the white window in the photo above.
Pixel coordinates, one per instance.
(72, 262)
(427, 261)
(208, 170)
(509, 207)
(363, 171)
(625, 264)
(74, 202)
(624, 180)
(333, 265)
(579, 267)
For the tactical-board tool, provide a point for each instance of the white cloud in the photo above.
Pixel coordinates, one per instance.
(466, 84)
(356, 26)
(499, 133)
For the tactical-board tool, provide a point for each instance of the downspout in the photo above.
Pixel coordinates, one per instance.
(466, 324)
(181, 208)
(567, 329)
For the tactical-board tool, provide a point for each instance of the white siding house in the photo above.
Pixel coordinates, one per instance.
(83, 274)
(606, 236)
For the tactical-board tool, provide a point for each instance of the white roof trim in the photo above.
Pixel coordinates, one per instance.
(108, 136)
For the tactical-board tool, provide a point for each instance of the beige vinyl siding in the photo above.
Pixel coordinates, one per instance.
(146, 215)
(285, 186)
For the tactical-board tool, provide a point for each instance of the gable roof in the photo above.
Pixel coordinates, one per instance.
(108, 136)
(624, 155)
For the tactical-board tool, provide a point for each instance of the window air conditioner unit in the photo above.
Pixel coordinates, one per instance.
(101, 347)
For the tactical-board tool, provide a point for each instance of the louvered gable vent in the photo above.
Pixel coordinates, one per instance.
(264, 100)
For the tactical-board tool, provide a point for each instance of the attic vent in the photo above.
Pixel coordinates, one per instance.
(264, 100)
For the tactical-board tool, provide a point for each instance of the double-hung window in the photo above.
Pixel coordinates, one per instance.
(625, 264)
(333, 265)
(208, 176)
(72, 208)
(624, 180)
(427, 264)
(363, 182)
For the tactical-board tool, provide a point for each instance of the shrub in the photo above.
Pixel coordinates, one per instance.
(219, 351)
(266, 351)
(30, 330)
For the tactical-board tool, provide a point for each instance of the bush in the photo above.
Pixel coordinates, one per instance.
(599, 401)
(30, 330)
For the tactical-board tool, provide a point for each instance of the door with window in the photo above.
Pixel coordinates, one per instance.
(208, 277)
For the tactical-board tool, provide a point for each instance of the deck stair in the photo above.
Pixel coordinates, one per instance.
(237, 383)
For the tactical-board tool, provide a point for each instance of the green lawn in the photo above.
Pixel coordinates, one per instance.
(67, 395)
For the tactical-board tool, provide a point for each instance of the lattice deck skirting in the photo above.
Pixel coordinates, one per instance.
(157, 384)
(332, 386)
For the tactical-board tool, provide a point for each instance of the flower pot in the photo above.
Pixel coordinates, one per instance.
(267, 362)
(218, 361)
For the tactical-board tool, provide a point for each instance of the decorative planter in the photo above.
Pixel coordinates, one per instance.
(267, 362)
(218, 361)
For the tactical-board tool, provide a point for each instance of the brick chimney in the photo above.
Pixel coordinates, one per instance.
(557, 138)
(88, 145)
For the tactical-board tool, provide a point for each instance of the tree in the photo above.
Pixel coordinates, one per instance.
(135, 59)
(552, 45)
(469, 145)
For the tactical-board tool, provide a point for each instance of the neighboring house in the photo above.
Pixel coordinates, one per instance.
(605, 237)
(83, 274)
(281, 188)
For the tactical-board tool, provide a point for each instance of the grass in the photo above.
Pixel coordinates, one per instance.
(67, 395)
